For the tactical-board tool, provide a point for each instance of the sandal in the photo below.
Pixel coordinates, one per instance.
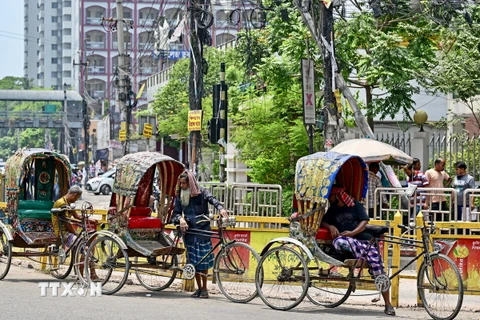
(204, 294)
(196, 294)
(389, 311)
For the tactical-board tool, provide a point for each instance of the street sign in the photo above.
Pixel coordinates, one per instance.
(147, 130)
(308, 90)
(123, 135)
(194, 120)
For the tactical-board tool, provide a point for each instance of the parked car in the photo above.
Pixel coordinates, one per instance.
(102, 184)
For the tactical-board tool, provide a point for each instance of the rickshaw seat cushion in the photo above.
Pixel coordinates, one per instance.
(34, 209)
(140, 211)
(323, 234)
(144, 223)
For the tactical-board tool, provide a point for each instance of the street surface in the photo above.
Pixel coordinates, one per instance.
(21, 299)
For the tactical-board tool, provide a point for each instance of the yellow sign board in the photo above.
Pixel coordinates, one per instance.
(123, 135)
(147, 130)
(123, 126)
(194, 120)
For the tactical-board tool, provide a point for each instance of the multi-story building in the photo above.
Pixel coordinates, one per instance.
(51, 42)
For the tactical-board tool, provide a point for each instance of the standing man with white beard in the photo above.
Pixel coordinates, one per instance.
(191, 211)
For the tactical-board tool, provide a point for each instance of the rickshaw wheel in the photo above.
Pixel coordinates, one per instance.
(61, 263)
(5, 254)
(440, 287)
(79, 261)
(328, 292)
(282, 277)
(157, 277)
(234, 271)
(109, 261)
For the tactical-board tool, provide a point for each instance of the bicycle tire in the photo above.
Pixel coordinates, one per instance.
(79, 261)
(324, 292)
(5, 254)
(234, 270)
(438, 265)
(157, 279)
(61, 271)
(278, 268)
(110, 260)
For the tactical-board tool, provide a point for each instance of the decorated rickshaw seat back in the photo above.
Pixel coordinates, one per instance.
(44, 178)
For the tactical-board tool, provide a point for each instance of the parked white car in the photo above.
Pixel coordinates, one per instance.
(102, 184)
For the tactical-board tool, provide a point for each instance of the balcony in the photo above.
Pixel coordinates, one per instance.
(146, 22)
(148, 70)
(115, 45)
(92, 20)
(96, 94)
(95, 45)
(96, 69)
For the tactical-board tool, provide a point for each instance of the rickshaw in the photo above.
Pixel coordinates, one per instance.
(306, 264)
(137, 240)
(34, 179)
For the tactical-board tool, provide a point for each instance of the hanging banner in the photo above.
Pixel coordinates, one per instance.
(308, 91)
(194, 120)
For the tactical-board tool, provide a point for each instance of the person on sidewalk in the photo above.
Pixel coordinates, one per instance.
(438, 178)
(346, 220)
(374, 182)
(462, 182)
(191, 211)
(418, 178)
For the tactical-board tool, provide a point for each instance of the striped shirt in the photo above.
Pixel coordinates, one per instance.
(420, 180)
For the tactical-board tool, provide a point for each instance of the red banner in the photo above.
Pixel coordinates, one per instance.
(466, 255)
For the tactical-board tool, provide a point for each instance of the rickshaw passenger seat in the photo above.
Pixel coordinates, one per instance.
(140, 219)
(323, 236)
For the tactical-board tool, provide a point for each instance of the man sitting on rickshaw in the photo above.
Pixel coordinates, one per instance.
(346, 220)
(68, 229)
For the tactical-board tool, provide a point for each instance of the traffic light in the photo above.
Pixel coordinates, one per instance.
(213, 130)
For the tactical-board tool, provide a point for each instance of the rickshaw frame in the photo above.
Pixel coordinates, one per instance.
(315, 176)
(22, 171)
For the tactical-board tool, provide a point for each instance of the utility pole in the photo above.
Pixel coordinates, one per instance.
(65, 139)
(196, 78)
(86, 121)
(119, 24)
(223, 122)
(326, 23)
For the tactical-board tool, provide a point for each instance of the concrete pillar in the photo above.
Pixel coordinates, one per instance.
(419, 148)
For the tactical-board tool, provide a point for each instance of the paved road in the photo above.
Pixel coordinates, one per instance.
(99, 202)
(21, 299)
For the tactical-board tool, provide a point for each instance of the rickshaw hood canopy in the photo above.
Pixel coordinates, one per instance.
(15, 165)
(132, 167)
(316, 174)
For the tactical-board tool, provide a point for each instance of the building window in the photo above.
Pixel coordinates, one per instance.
(54, 19)
(54, 74)
(54, 33)
(67, 60)
(67, 74)
(67, 4)
(54, 5)
(54, 60)
(67, 32)
(67, 17)
(67, 45)
(54, 46)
